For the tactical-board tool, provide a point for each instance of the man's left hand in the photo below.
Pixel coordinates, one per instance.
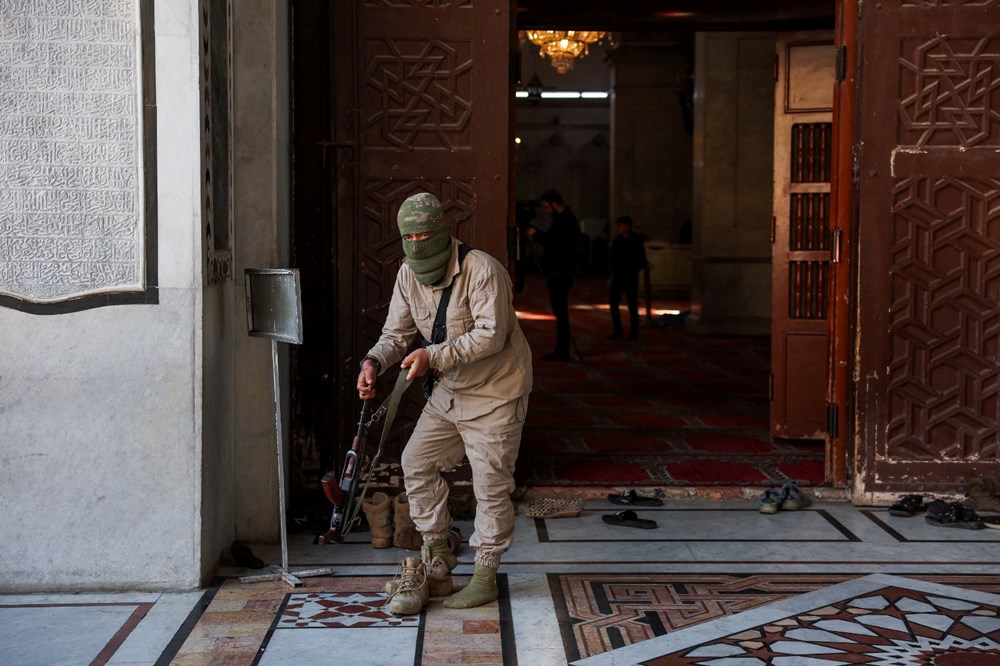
(419, 362)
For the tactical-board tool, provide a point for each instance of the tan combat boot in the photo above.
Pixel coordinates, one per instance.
(405, 535)
(411, 592)
(377, 512)
(439, 583)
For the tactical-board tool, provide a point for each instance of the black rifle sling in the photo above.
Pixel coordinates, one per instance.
(440, 329)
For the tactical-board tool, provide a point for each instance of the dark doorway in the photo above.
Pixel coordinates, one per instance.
(346, 177)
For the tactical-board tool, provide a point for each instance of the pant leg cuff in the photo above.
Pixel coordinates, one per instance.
(434, 536)
(491, 560)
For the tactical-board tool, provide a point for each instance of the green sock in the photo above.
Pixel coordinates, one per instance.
(441, 548)
(482, 589)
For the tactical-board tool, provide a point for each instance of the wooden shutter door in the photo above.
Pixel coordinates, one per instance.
(800, 258)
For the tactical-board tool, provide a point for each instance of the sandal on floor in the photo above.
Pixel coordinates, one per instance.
(554, 507)
(954, 514)
(907, 505)
(631, 498)
(991, 521)
(770, 501)
(628, 519)
(792, 499)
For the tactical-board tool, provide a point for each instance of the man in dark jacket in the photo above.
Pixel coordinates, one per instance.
(559, 264)
(628, 257)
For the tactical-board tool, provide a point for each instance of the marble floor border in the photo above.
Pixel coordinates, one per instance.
(542, 532)
(184, 631)
(895, 534)
(803, 603)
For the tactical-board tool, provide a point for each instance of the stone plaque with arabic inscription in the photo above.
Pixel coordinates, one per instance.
(71, 149)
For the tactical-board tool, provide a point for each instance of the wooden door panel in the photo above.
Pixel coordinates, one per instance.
(929, 227)
(800, 257)
(421, 103)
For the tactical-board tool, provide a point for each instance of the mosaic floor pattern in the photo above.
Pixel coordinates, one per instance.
(271, 623)
(598, 613)
(877, 619)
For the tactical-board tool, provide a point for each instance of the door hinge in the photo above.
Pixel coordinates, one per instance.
(841, 63)
(770, 386)
(832, 419)
(835, 235)
(774, 228)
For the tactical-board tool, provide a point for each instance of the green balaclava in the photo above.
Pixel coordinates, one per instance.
(428, 258)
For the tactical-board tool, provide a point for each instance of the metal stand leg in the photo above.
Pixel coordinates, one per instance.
(282, 572)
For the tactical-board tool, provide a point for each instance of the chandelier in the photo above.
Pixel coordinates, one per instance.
(563, 46)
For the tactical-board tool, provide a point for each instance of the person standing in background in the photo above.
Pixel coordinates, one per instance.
(628, 258)
(559, 264)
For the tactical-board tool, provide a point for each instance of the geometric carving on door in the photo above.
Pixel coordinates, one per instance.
(419, 93)
(944, 377)
(949, 92)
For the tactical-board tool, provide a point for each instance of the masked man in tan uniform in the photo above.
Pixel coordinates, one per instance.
(480, 397)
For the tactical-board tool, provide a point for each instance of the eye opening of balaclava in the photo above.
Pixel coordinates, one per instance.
(428, 258)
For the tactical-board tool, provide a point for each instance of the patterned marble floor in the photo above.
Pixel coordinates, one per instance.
(715, 583)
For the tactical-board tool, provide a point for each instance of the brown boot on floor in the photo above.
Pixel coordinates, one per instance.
(410, 593)
(377, 510)
(405, 535)
(439, 582)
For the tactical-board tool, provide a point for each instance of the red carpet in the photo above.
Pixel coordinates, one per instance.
(671, 408)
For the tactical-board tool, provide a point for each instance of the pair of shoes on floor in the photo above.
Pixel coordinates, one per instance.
(788, 498)
(953, 514)
(631, 498)
(628, 518)
(615, 336)
(556, 356)
(907, 505)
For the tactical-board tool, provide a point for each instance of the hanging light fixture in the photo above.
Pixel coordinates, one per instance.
(563, 47)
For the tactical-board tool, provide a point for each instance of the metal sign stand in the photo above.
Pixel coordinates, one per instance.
(274, 312)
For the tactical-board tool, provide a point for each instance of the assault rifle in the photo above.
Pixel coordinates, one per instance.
(341, 494)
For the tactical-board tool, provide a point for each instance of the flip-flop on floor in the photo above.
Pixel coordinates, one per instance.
(628, 519)
(632, 498)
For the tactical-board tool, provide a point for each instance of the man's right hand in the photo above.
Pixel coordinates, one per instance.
(366, 380)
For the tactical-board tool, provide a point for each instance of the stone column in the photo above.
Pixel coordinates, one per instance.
(650, 136)
(733, 173)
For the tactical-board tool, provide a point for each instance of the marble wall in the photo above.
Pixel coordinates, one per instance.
(732, 182)
(100, 410)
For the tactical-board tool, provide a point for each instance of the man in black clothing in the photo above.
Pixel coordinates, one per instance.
(628, 257)
(559, 264)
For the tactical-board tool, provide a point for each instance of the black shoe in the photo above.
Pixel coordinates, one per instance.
(615, 336)
(245, 557)
(633, 336)
(555, 356)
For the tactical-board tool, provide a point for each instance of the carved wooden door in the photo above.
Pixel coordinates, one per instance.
(421, 102)
(928, 269)
(800, 257)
